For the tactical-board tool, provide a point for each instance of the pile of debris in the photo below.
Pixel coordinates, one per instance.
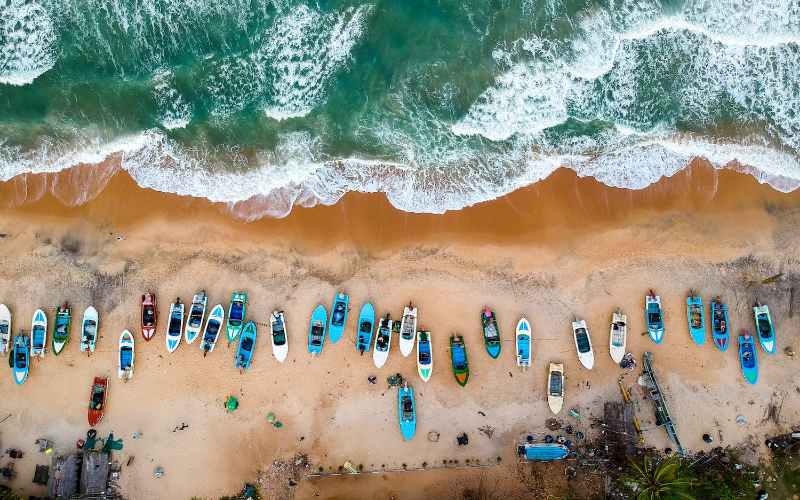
(279, 480)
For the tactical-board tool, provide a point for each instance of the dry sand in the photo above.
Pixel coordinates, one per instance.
(564, 247)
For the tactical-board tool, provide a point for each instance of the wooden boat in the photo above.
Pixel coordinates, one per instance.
(247, 342)
(126, 355)
(38, 333)
(61, 329)
(280, 342)
(19, 358)
(583, 343)
(213, 326)
(747, 356)
(408, 330)
(697, 323)
(5, 329)
(89, 329)
(542, 451)
(655, 317)
(175, 327)
(383, 341)
(618, 338)
(407, 411)
(236, 316)
(719, 324)
(458, 355)
(148, 315)
(491, 335)
(366, 325)
(316, 330)
(97, 400)
(555, 387)
(424, 355)
(338, 317)
(766, 333)
(196, 314)
(523, 344)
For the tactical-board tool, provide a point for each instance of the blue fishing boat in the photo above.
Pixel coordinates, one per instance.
(719, 324)
(338, 317)
(766, 333)
(747, 355)
(366, 325)
(655, 317)
(697, 323)
(247, 342)
(542, 451)
(408, 411)
(523, 343)
(316, 330)
(20, 358)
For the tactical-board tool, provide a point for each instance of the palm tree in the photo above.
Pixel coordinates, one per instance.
(660, 481)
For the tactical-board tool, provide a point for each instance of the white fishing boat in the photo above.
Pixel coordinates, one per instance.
(408, 330)
(583, 343)
(555, 387)
(424, 355)
(216, 318)
(280, 342)
(89, 329)
(126, 355)
(383, 340)
(5, 329)
(618, 339)
(175, 326)
(197, 312)
(38, 333)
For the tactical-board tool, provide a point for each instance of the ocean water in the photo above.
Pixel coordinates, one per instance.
(440, 104)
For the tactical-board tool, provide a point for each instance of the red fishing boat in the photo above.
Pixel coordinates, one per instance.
(97, 400)
(148, 315)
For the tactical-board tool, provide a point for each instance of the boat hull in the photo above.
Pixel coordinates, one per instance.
(21, 360)
(197, 311)
(489, 326)
(125, 361)
(216, 318)
(523, 343)
(236, 313)
(320, 319)
(655, 327)
(748, 359)
(694, 309)
(380, 355)
(5, 329)
(764, 329)
(544, 451)
(408, 419)
(618, 337)
(424, 355)
(247, 344)
(337, 323)
(408, 331)
(720, 328)
(175, 327)
(38, 333)
(148, 315)
(555, 387)
(280, 346)
(90, 326)
(97, 401)
(458, 357)
(366, 326)
(60, 339)
(583, 344)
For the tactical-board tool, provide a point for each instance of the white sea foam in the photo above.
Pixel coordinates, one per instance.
(175, 112)
(27, 40)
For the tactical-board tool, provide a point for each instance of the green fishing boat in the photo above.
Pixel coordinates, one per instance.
(236, 316)
(491, 335)
(458, 354)
(61, 329)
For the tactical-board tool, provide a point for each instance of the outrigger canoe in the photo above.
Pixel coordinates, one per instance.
(148, 315)
(97, 400)
(316, 330)
(338, 317)
(766, 333)
(196, 314)
(175, 327)
(280, 341)
(583, 343)
(126, 355)
(38, 333)
(247, 342)
(655, 317)
(89, 329)
(491, 335)
(366, 325)
(407, 411)
(408, 330)
(618, 338)
(747, 356)
(719, 324)
(458, 355)
(236, 316)
(5, 329)
(20, 358)
(542, 451)
(61, 329)
(214, 323)
(383, 341)
(697, 323)
(424, 355)
(523, 344)
(555, 387)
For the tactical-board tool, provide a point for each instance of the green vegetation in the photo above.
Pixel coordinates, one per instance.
(666, 480)
(7, 493)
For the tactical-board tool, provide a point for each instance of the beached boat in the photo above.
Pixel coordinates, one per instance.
(236, 316)
(747, 356)
(491, 335)
(97, 400)
(5, 329)
(407, 411)
(61, 329)
(316, 330)
(766, 333)
(555, 387)
(408, 330)
(214, 323)
(655, 317)
(542, 451)
(338, 317)
(280, 342)
(89, 329)
(618, 338)
(126, 355)
(383, 341)
(197, 312)
(458, 355)
(20, 358)
(697, 323)
(247, 343)
(366, 325)
(523, 344)
(583, 343)
(424, 355)
(175, 327)
(719, 324)
(148, 315)
(38, 333)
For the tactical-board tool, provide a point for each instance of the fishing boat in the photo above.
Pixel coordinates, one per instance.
(523, 344)
(543, 452)
(236, 316)
(316, 330)
(719, 324)
(655, 317)
(175, 327)
(366, 325)
(196, 314)
(458, 355)
(408, 330)
(61, 329)
(97, 400)
(555, 387)
(126, 355)
(20, 358)
(247, 342)
(89, 329)
(38, 333)
(618, 338)
(407, 411)
(213, 326)
(697, 323)
(280, 342)
(5, 329)
(383, 341)
(747, 355)
(338, 317)
(766, 333)
(583, 343)
(148, 315)
(491, 335)
(424, 355)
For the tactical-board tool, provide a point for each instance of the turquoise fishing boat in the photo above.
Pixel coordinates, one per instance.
(236, 316)
(338, 317)
(424, 355)
(366, 325)
(542, 451)
(655, 317)
(20, 358)
(719, 324)
(697, 323)
(407, 411)
(316, 330)
(491, 335)
(747, 356)
(247, 343)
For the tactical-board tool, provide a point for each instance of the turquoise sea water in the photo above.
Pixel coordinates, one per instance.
(440, 104)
